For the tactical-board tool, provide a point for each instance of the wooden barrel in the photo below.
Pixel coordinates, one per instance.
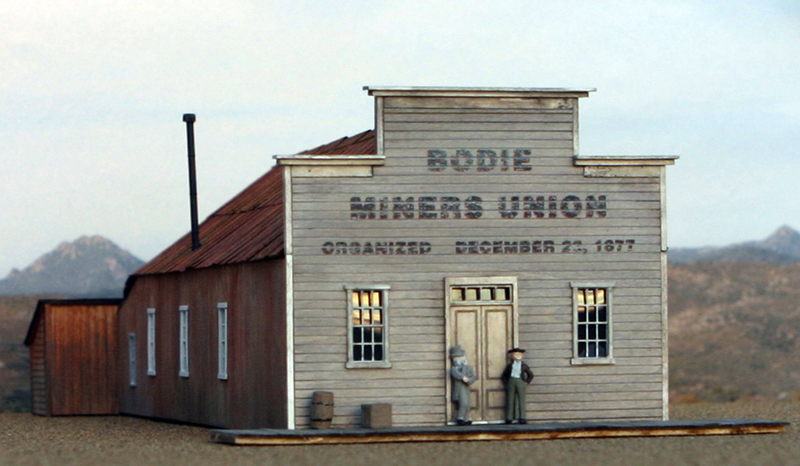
(321, 410)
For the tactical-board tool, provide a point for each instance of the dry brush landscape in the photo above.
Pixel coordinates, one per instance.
(119, 440)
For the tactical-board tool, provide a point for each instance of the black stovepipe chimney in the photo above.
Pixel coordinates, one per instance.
(189, 118)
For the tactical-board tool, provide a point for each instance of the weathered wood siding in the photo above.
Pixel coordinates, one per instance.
(81, 350)
(254, 395)
(39, 403)
(445, 185)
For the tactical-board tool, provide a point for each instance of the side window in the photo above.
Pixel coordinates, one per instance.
(368, 327)
(183, 341)
(151, 341)
(132, 359)
(222, 341)
(592, 323)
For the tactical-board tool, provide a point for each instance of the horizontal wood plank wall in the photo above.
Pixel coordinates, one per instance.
(329, 247)
(39, 403)
(254, 395)
(81, 356)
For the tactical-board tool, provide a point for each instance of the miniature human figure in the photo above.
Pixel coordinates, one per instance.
(516, 377)
(463, 375)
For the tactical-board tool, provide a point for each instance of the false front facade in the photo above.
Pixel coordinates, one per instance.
(466, 217)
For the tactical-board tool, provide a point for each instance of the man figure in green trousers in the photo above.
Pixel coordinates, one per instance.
(516, 377)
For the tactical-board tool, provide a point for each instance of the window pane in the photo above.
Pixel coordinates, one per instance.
(472, 294)
(367, 335)
(365, 317)
(365, 299)
(590, 297)
(379, 353)
(356, 317)
(486, 294)
(358, 335)
(582, 314)
(602, 349)
(582, 332)
(601, 331)
(355, 298)
(592, 332)
(582, 349)
(376, 316)
(504, 294)
(581, 298)
(602, 314)
(601, 296)
(378, 333)
(376, 299)
(357, 354)
(368, 353)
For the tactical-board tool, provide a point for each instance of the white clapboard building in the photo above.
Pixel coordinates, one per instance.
(467, 216)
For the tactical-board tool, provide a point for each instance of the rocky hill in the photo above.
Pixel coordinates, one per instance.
(733, 329)
(91, 266)
(782, 247)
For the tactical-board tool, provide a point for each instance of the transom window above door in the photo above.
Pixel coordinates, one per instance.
(467, 294)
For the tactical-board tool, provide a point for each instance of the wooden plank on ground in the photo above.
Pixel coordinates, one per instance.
(502, 432)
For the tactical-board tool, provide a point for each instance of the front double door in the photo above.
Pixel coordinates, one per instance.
(486, 331)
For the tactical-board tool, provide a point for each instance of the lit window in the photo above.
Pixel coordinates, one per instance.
(222, 333)
(151, 341)
(368, 338)
(132, 359)
(183, 345)
(592, 336)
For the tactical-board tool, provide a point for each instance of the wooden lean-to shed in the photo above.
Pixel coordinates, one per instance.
(467, 216)
(73, 347)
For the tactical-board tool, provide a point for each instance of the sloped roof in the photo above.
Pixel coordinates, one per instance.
(360, 144)
(250, 227)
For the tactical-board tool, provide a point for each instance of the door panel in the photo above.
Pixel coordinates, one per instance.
(497, 341)
(486, 334)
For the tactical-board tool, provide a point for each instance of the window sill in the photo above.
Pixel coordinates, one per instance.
(592, 361)
(151, 373)
(184, 374)
(369, 365)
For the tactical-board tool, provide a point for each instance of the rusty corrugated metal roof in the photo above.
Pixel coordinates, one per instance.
(360, 144)
(250, 227)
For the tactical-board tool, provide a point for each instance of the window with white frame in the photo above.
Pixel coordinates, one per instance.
(368, 326)
(132, 359)
(592, 324)
(151, 341)
(183, 341)
(222, 340)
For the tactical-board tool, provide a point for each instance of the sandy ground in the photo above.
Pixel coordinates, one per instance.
(32, 440)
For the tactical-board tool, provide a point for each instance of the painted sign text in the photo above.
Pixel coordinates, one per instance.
(473, 207)
(480, 160)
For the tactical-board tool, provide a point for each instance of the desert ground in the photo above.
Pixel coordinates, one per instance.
(119, 440)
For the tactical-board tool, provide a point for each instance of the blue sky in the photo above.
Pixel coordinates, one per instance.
(92, 94)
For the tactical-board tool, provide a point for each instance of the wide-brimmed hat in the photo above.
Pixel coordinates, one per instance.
(516, 350)
(456, 351)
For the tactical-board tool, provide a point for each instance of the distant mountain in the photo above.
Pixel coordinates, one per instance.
(782, 247)
(91, 266)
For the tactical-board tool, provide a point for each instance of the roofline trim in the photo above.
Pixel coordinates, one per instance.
(390, 91)
(329, 160)
(624, 160)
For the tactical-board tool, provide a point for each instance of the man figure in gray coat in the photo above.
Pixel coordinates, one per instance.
(463, 375)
